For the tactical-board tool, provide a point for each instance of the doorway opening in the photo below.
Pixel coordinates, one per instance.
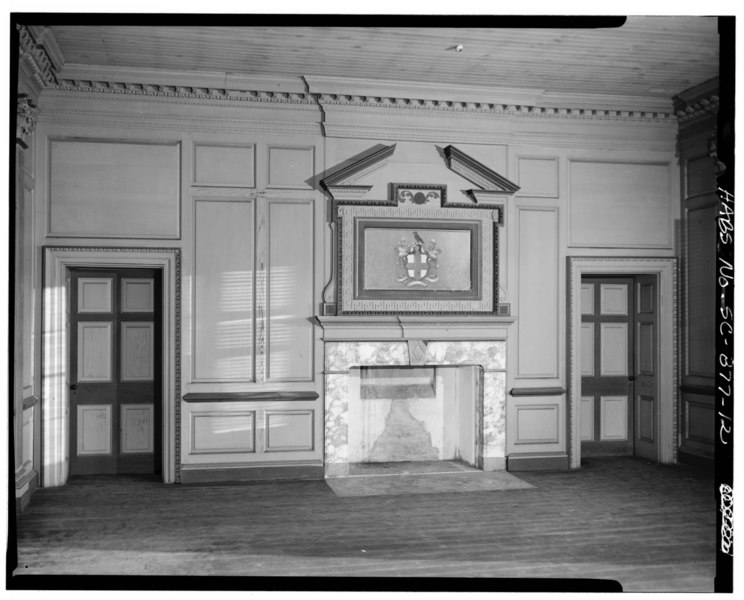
(115, 374)
(619, 378)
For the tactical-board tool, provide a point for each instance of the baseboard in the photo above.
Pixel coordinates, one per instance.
(21, 502)
(242, 474)
(695, 460)
(549, 461)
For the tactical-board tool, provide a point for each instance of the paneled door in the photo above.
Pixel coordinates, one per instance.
(115, 371)
(607, 369)
(646, 377)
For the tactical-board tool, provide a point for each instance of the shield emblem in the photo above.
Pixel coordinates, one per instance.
(417, 263)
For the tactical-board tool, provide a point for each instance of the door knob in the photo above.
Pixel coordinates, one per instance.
(631, 377)
(73, 386)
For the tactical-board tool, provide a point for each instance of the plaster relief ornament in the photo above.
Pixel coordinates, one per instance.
(417, 262)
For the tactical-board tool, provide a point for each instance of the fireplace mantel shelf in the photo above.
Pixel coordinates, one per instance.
(403, 327)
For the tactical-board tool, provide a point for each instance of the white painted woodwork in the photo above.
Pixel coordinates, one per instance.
(613, 299)
(613, 418)
(700, 310)
(646, 420)
(620, 205)
(137, 295)
(29, 441)
(614, 349)
(222, 344)
(289, 430)
(587, 349)
(114, 189)
(94, 351)
(93, 429)
(94, 294)
(466, 401)
(28, 303)
(538, 274)
(537, 177)
(232, 166)
(137, 428)
(291, 167)
(137, 351)
(290, 335)
(223, 432)
(537, 423)
(587, 418)
(587, 299)
(646, 355)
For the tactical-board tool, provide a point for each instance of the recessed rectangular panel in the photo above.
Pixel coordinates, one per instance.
(587, 349)
(587, 418)
(94, 351)
(587, 299)
(613, 299)
(613, 418)
(223, 291)
(137, 428)
(646, 348)
(537, 424)
(223, 432)
(93, 429)
(614, 349)
(224, 165)
(137, 351)
(94, 294)
(701, 176)
(620, 204)
(700, 422)
(538, 177)
(137, 295)
(114, 189)
(289, 430)
(700, 272)
(646, 298)
(290, 167)
(646, 418)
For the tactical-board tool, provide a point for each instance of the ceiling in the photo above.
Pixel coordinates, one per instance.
(653, 57)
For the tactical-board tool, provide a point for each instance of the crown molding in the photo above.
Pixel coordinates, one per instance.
(697, 102)
(39, 55)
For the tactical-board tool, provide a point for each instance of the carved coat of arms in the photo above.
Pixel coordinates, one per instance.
(417, 261)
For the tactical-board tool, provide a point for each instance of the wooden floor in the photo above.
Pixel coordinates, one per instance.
(646, 526)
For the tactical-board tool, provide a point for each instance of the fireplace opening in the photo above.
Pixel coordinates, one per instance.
(418, 416)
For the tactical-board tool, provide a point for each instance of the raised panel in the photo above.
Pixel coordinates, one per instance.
(290, 167)
(226, 432)
(701, 176)
(646, 418)
(587, 349)
(137, 428)
(587, 418)
(587, 299)
(223, 291)
(290, 292)
(646, 298)
(538, 177)
(613, 299)
(613, 418)
(137, 295)
(28, 435)
(614, 349)
(224, 165)
(94, 351)
(700, 421)
(289, 430)
(93, 429)
(137, 351)
(620, 205)
(537, 424)
(94, 294)
(114, 189)
(538, 270)
(646, 348)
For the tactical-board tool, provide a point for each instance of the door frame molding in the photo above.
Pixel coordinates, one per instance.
(665, 270)
(55, 417)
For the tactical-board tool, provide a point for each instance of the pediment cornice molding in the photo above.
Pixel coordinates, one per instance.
(697, 102)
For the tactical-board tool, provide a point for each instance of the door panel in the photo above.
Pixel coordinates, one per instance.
(646, 382)
(115, 371)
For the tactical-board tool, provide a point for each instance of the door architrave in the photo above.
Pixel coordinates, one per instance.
(55, 348)
(665, 270)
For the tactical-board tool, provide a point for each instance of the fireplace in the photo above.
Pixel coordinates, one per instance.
(444, 380)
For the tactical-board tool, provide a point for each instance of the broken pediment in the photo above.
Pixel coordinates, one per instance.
(340, 185)
(492, 186)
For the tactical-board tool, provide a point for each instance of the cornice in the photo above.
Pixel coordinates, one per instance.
(697, 101)
(38, 51)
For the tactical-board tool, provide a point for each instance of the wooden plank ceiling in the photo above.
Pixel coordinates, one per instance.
(655, 57)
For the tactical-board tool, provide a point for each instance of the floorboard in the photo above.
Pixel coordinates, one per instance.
(649, 527)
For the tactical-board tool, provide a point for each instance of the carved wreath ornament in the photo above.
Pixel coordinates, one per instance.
(417, 261)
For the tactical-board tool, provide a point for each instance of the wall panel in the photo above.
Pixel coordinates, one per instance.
(538, 292)
(114, 189)
(537, 177)
(223, 291)
(224, 165)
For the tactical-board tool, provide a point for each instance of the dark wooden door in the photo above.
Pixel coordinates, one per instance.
(646, 396)
(115, 371)
(607, 366)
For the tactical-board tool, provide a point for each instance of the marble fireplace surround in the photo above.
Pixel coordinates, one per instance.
(362, 341)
